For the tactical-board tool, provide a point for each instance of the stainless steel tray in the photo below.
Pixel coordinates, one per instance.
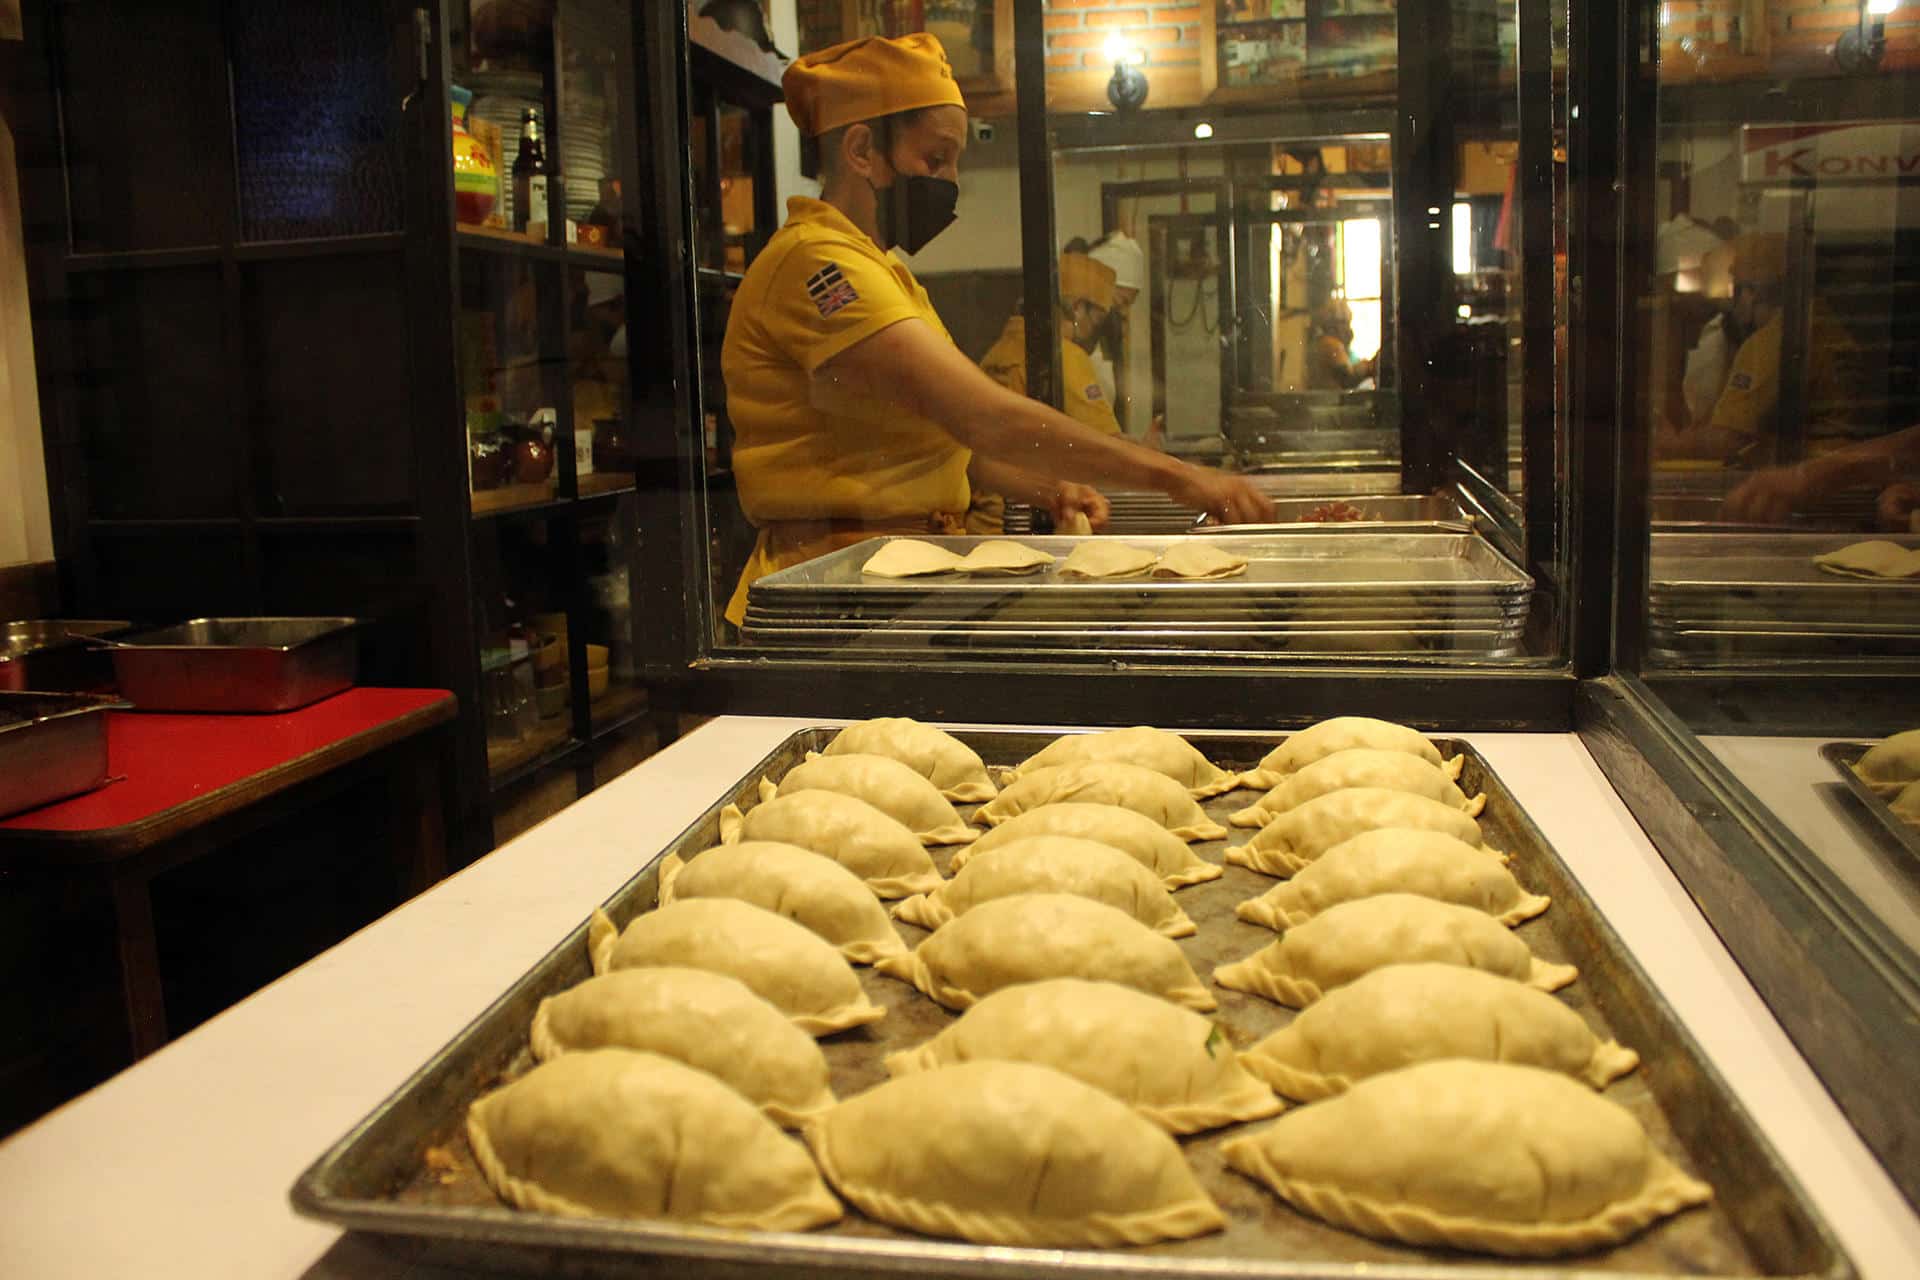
(52, 745)
(53, 655)
(405, 1176)
(1843, 756)
(1358, 643)
(1312, 561)
(1438, 510)
(1717, 563)
(237, 664)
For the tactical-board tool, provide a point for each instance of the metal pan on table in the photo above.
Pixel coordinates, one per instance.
(1843, 756)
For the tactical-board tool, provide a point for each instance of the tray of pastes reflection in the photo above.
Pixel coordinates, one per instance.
(237, 664)
(406, 1177)
(1843, 756)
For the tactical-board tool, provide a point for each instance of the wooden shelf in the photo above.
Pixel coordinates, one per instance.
(600, 484)
(514, 497)
(617, 707)
(550, 740)
(518, 244)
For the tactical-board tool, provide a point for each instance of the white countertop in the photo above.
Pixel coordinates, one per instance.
(180, 1166)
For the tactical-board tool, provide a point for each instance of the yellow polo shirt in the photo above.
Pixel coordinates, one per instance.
(803, 453)
(1081, 396)
(1749, 402)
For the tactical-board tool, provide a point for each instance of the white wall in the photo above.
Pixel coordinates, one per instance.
(787, 181)
(26, 532)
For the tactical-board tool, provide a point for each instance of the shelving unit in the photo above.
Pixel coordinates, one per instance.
(253, 394)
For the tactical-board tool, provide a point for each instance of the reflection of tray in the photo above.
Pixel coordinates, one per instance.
(377, 1179)
(1843, 756)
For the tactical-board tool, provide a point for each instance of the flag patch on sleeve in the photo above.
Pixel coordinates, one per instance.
(1741, 382)
(830, 290)
(1093, 393)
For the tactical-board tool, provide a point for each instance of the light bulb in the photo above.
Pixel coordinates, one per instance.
(1881, 8)
(1203, 130)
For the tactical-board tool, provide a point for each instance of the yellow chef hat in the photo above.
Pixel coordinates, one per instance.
(1083, 279)
(1759, 257)
(866, 79)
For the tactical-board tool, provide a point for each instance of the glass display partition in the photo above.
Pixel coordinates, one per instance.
(1348, 230)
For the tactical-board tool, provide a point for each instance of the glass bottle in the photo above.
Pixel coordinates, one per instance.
(530, 175)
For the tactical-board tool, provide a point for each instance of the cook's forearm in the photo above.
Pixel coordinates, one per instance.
(992, 476)
(1025, 434)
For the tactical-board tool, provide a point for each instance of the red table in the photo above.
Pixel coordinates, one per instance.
(182, 783)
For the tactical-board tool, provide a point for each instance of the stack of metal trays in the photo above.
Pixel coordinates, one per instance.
(1721, 599)
(1311, 590)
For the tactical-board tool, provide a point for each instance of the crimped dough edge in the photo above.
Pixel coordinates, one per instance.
(1179, 1118)
(1272, 862)
(958, 833)
(802, 1214)
(853, 950)
(980, 792)
(1196, 870)
(913, 970)
(1667, 1191)
(1205, 829)
(1547, 976)
(546, 1046)
(1169, 1222)
(1610, 1061)
(1264, 912)
(1256, 979)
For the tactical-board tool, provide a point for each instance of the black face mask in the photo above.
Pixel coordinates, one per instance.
(914, 210)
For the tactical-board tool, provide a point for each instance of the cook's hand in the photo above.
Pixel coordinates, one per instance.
(1228, 499)
(1769, 496)
(1896, 507)
(1071, 499)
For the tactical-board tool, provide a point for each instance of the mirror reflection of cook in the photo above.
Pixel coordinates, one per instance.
(1331, 365)
(1743, 424)
(1086, 297)
(854, 412)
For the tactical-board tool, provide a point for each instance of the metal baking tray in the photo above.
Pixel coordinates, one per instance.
(1438, 510)
(52, 745)
(237, 664)
(1843, 756)
(1309, 561)
(1462, 643)
(53, 655)
(404, 1174)
(1767, 564)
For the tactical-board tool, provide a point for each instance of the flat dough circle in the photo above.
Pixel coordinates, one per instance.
(910, 558)
(1099, 558)
(1200, 559)
(1877, 558)
(1002, 556)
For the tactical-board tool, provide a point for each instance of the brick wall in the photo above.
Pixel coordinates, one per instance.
(1077, 32)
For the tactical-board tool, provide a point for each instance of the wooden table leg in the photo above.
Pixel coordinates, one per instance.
(139, 963)
(418, 820)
